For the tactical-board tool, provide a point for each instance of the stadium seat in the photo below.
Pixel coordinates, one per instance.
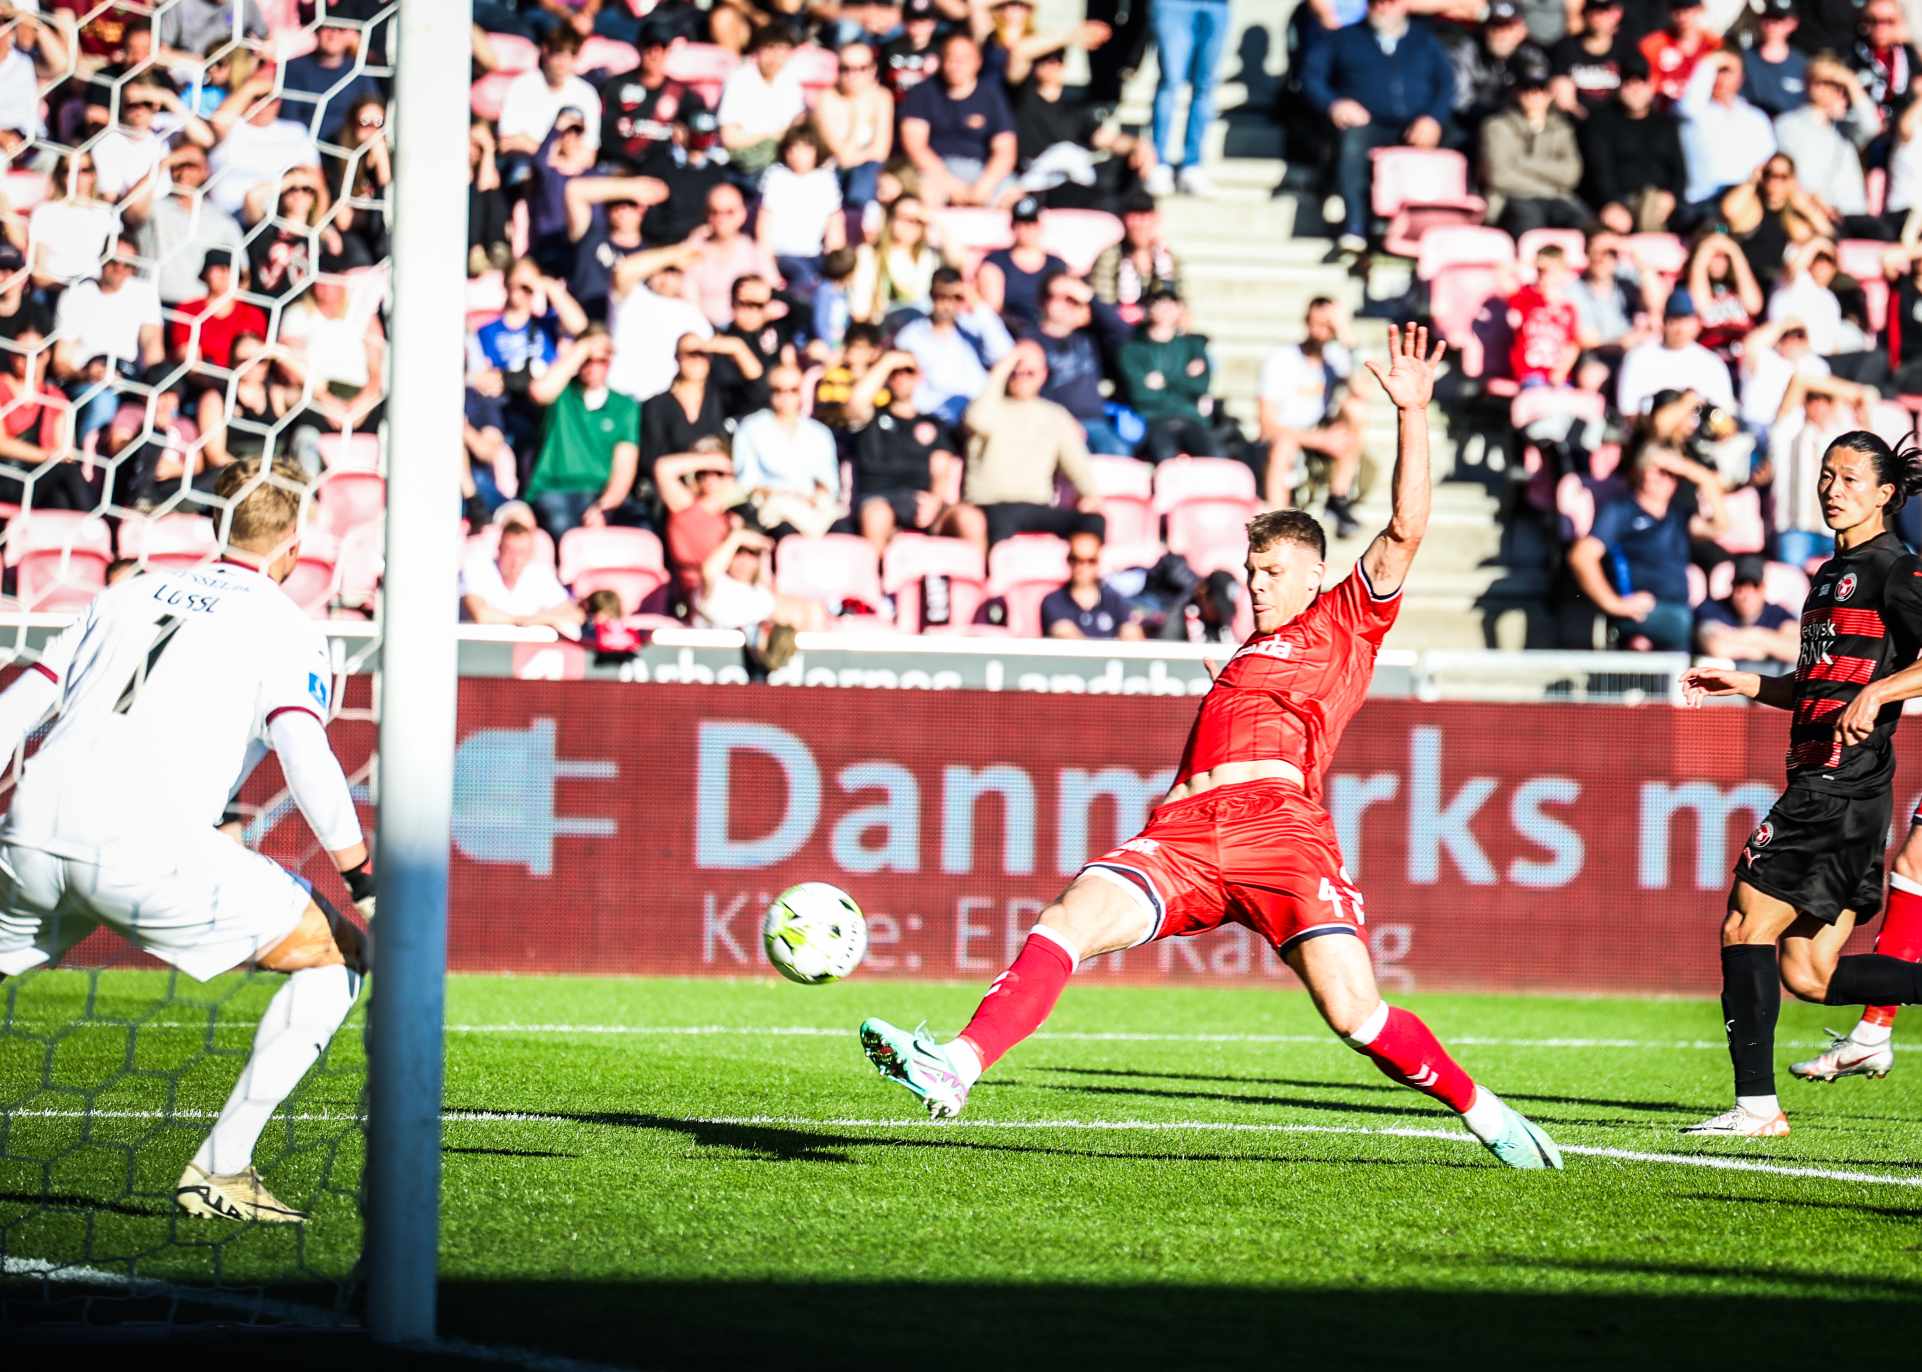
(488, 291)
(311, 586)
(1466, 269)
(973, 232)
(288, 44)
(1463, 245)
(817, 69)
(1124, 557)
(1126, 488)
(1661, 253)
(349, 499)
(1786, 585)
(488, 93)
(169, 542)
(704, 66)
(585, 550)
(608, 55)
(911, 558)
(1211, 534)
(831, 569)
(1420, 189)
(50, 580)
(516, 54)
(1023, 571)
(1078, 237)
(56, 531)
(637, 587)
(349, 452)
(1201, 478)
(1573, 245)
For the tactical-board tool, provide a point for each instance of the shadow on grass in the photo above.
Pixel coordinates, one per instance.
(446, 1148)
(1886, 1212)
(60, 1202)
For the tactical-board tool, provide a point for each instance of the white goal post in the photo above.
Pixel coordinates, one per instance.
(418, 676)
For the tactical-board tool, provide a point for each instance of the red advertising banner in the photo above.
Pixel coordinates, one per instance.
(604, 827)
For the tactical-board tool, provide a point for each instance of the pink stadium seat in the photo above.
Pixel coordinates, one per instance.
(1023, 571)
(1122, 557)
(1201, 478)
(50, 582)
(1078, 237)
(349, 452)
(312, 584)
(704, 66)
(170, 542)
(291, 43)
(489, 92)
(1126, 488)
(1420, 189)
(1661, 253)
(912, 558)
(25, 189)
(279, 14)
(817, 69)
(349, 499)
(1573, 245)
(831, 569)
(636, 586)
(1875, 302)
(488, 291)
(1463, 245)
(1786, 585)
(973, 230)
(56, 531)
(586, 550)
(1744, 531)
(1211, 533)
(361, 566)
(517, 54)
(609, 55)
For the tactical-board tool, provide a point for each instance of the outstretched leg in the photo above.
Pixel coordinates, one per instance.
(1341, 979)
(1751, 1003)
(1097, 914)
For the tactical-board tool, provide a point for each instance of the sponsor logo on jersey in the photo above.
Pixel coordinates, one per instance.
(1763, 835)
(1267, 647)
(1144, 846)
(317, 688)
(1845, 587)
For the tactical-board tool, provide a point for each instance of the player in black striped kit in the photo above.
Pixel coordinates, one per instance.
(1813, 868)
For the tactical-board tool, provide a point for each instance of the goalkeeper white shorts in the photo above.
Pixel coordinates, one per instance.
(200, 902)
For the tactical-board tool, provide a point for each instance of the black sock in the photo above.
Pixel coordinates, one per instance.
(1751, 1003)
(1875, 979)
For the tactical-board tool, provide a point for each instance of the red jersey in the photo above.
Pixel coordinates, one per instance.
(1543, 330)
(1288, 695)
(1671, 61)
(217, 332)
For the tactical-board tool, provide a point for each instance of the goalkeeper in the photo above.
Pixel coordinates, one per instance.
(164, 694)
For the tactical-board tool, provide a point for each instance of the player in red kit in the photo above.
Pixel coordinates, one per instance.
(1243, 836)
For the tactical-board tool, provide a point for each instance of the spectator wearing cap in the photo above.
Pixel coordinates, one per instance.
(684, 165)
(330, 80)
(800, 217)
(1675, 361)
(588, 460)
(1124, 274)
(181, 227)
(1066, 335)
(1632, 156)
(1673, 50)
(959, 132)
(914, 55)
(955, 346)
(1633, 563)
(1531, 164)
(533, 101)
(1746, 628)
(512, 584)
(855, 118)
(1724, 138)
(604, 216)
(1022, 443)
(1587, 66)
(204, 329)
(761, 101)
(904, 462)
(1009, 279)
(1166, 374)
(723, 255)
(32, 53)
(106, 329)
(1380, 83)
(1774, 71)
(1883, 58)
(638, 108)
(1190, 36)
(787, 462)
(1827, 137)
(257, 146)
(1484, 65)
(1063, 145)
(1085, 606)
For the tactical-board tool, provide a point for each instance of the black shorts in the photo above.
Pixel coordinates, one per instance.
(1821, 853)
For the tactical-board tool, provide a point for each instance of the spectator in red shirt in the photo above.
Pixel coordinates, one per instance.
(1543, 320)
(36, 430)
(700, 493)
(1673, 51)
(205, 329)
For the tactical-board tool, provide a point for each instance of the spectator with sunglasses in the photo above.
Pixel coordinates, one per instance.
(588, 461)
(1022, 443)
(329, 80)
(1066, 336)
(855, 119)
(787, 462)
(131, 157)
(723, 254)
(903, 461)
(762, 330)
(180, 228)
(955, 346)
(1086, 606)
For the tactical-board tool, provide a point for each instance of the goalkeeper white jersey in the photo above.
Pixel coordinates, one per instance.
(167, 687)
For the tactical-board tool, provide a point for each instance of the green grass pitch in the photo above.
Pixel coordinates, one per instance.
(679, 1173)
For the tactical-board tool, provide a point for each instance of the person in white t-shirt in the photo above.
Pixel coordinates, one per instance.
(130, 159)
(104, 329)
(1301, 411)
(164, 696)
(534, 99)
(761, 101)
(514, 585)
(256, 145)
(32, 51)
(68, 233)
(737, 592)
(1673, 362)
(801, 217)
(647, 321)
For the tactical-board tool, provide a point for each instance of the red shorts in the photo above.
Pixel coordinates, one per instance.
(1258, 853)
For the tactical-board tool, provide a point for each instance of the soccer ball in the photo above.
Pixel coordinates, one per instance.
(814, 933)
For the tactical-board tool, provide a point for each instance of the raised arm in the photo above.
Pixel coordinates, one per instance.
(1410, 382)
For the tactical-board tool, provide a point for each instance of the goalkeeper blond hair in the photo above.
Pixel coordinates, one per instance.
(263, 502)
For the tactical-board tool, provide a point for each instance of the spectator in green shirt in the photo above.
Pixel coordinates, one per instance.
(590, 450)
(1165, 375)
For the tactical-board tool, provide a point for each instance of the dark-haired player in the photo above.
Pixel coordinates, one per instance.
(1243, 836)
(1813, 868)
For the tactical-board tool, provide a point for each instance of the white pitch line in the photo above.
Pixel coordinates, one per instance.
(818, 1031)
(1708, 1160)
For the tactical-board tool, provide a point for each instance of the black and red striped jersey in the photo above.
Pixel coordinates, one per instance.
(1862, 621)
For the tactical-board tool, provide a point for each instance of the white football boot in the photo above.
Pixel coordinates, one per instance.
(1844, 1057)
(918, 1063)
(1737, 1123)
(235, 1196)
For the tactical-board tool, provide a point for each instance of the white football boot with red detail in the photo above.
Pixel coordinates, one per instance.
(1844, 1057)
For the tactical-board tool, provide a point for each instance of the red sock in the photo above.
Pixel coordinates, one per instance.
(1020, 999)
(1406, 1051)
(1900, 936)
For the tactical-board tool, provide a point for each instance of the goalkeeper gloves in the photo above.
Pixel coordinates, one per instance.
(360, 887)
